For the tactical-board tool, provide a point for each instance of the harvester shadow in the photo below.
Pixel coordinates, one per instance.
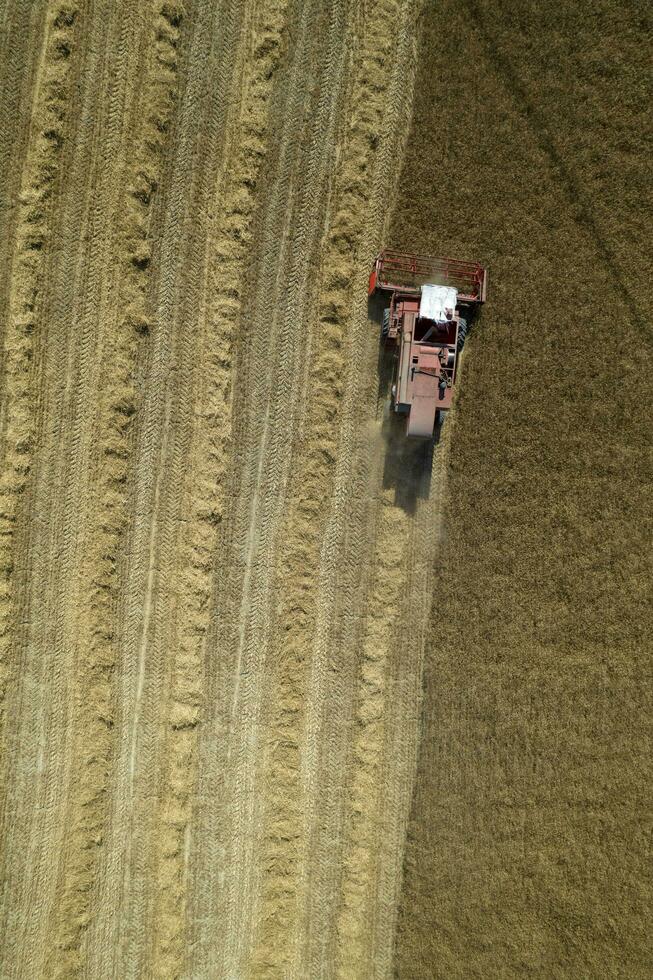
(408, 462)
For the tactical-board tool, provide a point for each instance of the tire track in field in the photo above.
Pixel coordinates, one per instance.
(405, 534)
(204, 491)
(359, 516)
(20, 31)
(384, 751)
(25, 303)
(364, 827)
(270, 381)
(118, 942)
(92, 722)
(46, 146)
(284, 843)
(37, 758)
(84, 283)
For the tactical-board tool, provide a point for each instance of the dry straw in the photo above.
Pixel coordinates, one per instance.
(108, 513)
(39, 184)
(227, 253)
(282, 846)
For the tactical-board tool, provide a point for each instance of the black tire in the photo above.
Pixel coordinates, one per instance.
(462, 333)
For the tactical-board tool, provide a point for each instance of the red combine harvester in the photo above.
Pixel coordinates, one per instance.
(432, 304)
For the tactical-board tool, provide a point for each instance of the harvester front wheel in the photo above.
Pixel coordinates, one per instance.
(462, 333)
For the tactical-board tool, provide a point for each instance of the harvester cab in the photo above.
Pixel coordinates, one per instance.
(432, 304)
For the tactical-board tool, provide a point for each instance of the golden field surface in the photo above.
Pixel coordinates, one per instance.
(282, 695)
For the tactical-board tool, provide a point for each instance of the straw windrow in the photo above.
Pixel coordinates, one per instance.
(108, 514)
(42, 166)
(227, 249)
(282, 846)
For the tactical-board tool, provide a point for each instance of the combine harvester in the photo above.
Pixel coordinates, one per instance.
(432, 304)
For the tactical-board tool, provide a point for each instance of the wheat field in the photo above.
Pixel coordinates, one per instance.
(281, 694)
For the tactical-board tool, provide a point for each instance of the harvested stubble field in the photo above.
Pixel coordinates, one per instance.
(282, 696)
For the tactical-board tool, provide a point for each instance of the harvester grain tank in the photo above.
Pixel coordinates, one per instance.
(432, 304)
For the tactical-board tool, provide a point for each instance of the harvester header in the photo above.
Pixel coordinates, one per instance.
(432, 304)
(402, 272)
